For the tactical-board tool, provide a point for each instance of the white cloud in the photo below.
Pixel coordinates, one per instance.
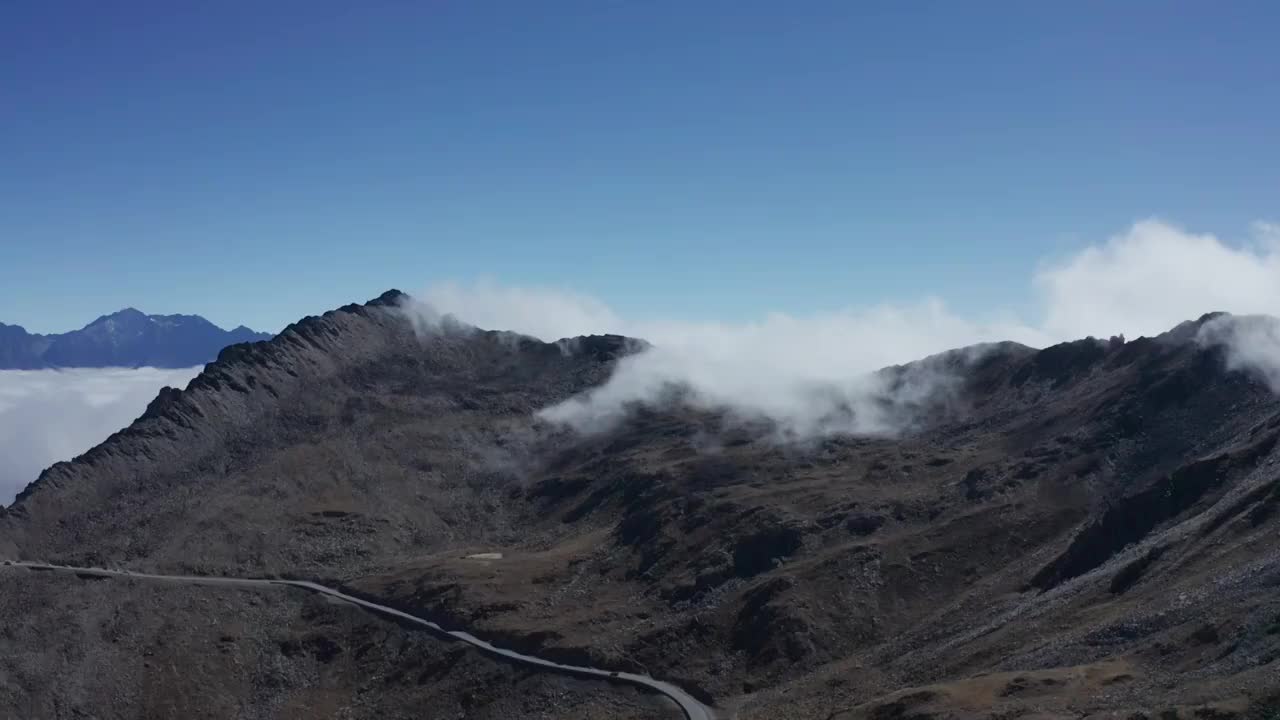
(52, 415)
(810, 373)
(1156, 275)
(540, 312)
(1252, 343)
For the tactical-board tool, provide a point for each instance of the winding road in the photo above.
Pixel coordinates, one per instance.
(693, 709)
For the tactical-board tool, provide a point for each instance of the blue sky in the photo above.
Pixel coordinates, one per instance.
(675, 159)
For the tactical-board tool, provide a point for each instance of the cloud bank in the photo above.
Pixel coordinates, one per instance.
(812, 374)
(1156, 275)
(52, 415)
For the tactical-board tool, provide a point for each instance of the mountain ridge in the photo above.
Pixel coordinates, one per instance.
(1086, 528)
(125, 338)
(235, 366)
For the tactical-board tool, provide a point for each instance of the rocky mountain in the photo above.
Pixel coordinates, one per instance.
(128, 338)
(21, 350)
(1086, 530)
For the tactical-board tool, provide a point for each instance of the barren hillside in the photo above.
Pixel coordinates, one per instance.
(1085, 529)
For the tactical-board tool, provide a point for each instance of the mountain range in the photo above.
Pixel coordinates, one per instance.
(128, 338)
(1085, 530)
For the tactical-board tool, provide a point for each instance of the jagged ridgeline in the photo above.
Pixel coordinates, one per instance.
(128, 338)
(1087, 528)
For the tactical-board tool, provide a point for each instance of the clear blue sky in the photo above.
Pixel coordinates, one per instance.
(255, 162)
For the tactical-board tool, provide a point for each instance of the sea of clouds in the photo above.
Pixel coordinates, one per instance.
(52, 415)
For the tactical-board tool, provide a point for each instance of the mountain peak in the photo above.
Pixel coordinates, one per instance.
(390, 298)
(128, 314)
(1188, 330)
(125, 338)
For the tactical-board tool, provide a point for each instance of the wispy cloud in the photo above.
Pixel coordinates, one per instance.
(811, 373)
(1252, 343)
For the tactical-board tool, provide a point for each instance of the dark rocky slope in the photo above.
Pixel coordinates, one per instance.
(1089, 528)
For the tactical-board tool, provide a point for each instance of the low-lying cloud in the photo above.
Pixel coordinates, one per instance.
(1252, 343)
(52, 415)
(812, 374)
